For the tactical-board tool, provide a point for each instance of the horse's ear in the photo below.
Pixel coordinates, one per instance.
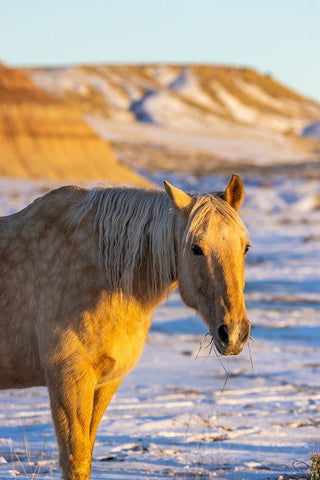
(180, 200)
(234, 193)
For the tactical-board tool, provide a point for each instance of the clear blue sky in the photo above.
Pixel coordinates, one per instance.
(281, 37)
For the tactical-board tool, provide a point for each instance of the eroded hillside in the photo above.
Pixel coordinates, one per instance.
(42, 137)
(189, 118)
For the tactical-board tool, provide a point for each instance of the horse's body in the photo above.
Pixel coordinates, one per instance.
(81, 273)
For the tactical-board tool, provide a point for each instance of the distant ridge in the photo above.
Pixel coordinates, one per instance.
(203, 92)
(42, 137)
(195, 118)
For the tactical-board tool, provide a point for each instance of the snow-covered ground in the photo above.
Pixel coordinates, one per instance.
(232, 143)
(254, 416)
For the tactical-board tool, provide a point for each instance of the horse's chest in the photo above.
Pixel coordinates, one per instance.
(118, 347)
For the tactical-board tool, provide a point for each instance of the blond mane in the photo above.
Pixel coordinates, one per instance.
(137, 231)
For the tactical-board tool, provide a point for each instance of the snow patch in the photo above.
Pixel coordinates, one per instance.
(312, 130)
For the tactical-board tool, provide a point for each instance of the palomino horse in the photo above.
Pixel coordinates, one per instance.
(81, 273)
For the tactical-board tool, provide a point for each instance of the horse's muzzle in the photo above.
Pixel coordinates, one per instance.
(228, 344)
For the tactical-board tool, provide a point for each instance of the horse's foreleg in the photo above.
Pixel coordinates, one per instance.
(71, 394)
(102, 397)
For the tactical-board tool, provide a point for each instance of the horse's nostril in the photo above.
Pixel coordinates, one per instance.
(223, 335)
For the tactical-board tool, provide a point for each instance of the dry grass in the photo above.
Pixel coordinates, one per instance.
(310, 470)
(28, 465)
(315, 466)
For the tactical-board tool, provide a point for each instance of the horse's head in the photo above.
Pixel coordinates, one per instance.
(211, 261)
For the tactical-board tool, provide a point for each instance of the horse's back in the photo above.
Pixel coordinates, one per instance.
(44, 206)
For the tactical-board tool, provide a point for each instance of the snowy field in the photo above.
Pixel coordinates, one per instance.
(254, 416)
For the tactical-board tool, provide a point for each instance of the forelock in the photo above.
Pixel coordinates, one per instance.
(204, 207)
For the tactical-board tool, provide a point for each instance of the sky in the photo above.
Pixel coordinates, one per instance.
(278, 37)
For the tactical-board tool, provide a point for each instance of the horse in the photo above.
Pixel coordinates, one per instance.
(81, 274)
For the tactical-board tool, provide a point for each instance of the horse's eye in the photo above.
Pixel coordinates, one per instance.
(197, 250)
(247, 248)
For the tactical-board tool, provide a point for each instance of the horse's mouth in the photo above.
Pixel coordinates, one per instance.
(235, 350)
